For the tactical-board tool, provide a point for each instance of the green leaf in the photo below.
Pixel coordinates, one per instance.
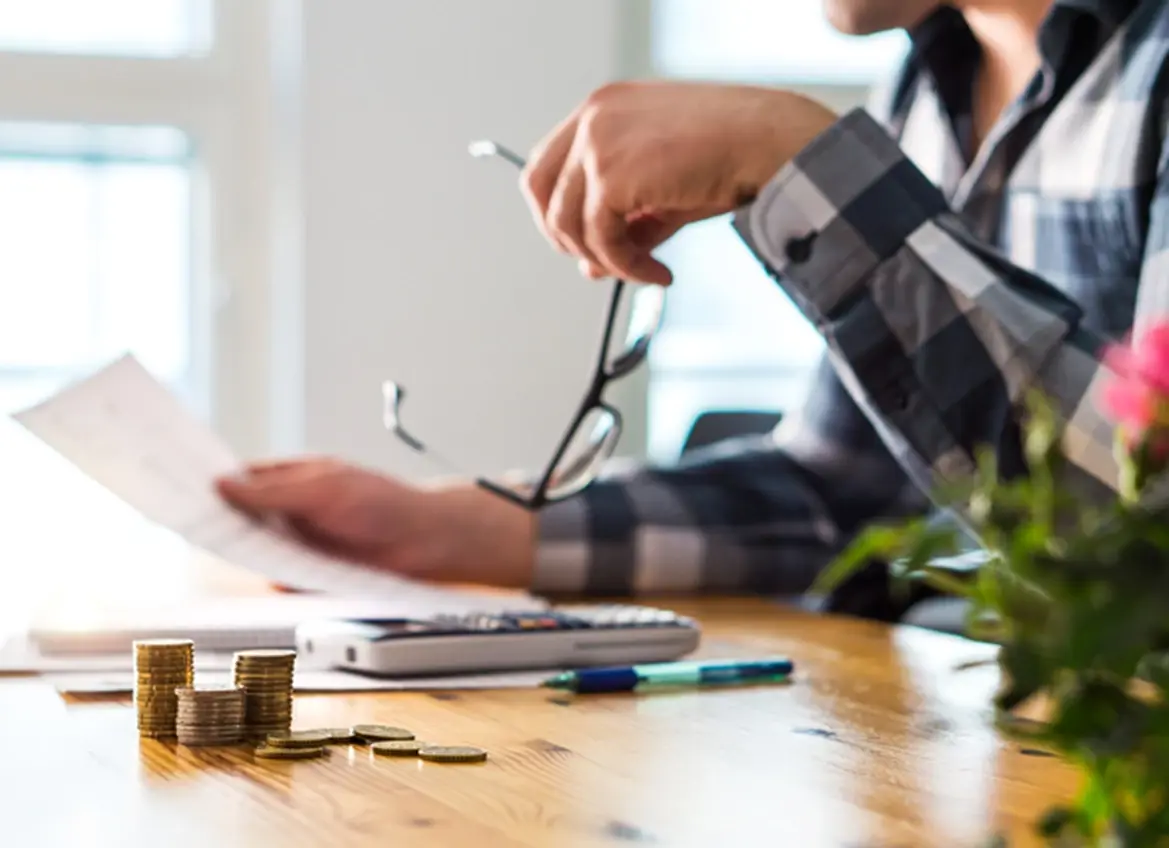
(944, 581)
(878, 542)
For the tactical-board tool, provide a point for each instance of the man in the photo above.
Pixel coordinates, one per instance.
(1001, 215)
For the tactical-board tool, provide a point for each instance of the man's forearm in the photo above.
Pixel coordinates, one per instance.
(938, 337)
(739, 518)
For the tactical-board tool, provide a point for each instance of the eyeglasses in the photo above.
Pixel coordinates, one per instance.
(596, 428)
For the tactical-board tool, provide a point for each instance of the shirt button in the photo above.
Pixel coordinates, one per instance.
(799, 250)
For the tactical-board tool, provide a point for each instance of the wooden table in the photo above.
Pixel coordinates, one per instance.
(879, 741)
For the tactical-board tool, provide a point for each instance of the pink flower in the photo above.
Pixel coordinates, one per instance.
(1136, 396)
(1130, 404)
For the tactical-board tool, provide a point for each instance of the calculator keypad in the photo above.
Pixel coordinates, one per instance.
(605, 617)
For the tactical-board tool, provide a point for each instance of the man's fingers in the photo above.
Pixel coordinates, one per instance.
(608, 236)
(289, 490)
(539, 178)
(591, 270)
(566, 212)
(270, 466)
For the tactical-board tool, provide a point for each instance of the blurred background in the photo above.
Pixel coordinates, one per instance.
(270, 202)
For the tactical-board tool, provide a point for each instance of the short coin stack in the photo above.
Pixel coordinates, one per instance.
(266, 676)
(160, 667)
(210, 715)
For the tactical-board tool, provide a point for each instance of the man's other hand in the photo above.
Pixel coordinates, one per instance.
(638, 161)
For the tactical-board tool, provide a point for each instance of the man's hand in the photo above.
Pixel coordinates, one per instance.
(637, 161)
(454, 534)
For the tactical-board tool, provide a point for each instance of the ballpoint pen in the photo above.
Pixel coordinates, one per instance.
(632, 678)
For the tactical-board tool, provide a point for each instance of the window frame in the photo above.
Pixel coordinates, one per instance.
(232, 101)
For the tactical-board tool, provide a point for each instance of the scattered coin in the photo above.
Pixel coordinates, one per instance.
(452, 754)
(340, 735)
(160, 667)
(271, 753)
(381, 732)
(397, 747)
(299, 739)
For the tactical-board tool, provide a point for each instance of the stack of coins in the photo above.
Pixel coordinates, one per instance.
(267, 680)
(210, 715)
(160, 667)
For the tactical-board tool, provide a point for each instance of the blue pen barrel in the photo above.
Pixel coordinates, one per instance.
(594, 680)
(698, 673)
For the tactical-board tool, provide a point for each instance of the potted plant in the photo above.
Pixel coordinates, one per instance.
(1075, 594)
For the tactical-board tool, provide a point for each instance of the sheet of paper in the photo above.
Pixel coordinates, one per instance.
(124, 429)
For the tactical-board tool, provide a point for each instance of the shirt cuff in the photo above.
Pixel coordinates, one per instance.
(845, 204)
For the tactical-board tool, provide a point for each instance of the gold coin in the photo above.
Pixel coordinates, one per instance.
(397, 747)
(267, 653)
(452, 754)
(271, 753)
(298, 739)
(205, 692)
(380, 732)
(339, 735)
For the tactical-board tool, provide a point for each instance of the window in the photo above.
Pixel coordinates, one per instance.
(134, 180)
(98, 199)
(136, 150)
(789, 43)
(159, 28)
(731, 339)
(96, 225)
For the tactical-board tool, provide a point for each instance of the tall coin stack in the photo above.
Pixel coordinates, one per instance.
(160, 667)
(210, 715)
(266, 676)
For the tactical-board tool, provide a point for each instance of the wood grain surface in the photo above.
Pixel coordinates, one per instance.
(878, 741)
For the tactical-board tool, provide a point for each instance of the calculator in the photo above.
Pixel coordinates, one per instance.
(562, 637)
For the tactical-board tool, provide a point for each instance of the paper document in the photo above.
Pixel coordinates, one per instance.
(308, 680)
(314, 680)
(124, 429)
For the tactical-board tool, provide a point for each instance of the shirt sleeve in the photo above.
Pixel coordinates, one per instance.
(761, 514)
(937, 337)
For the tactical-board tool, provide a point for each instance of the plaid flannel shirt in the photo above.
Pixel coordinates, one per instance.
(947, 283)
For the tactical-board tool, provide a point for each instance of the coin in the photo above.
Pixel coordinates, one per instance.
(298, 739)
(452, 754)
(379, 732)
(397, 747)
(266, 654)
(340, 735)
(271, 753)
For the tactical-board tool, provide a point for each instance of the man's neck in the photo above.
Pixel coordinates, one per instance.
(1007, 32)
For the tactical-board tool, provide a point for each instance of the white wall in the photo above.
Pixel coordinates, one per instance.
(421, 264)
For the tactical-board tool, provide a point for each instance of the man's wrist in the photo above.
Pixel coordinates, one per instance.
(484, 538)
(788, 123)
